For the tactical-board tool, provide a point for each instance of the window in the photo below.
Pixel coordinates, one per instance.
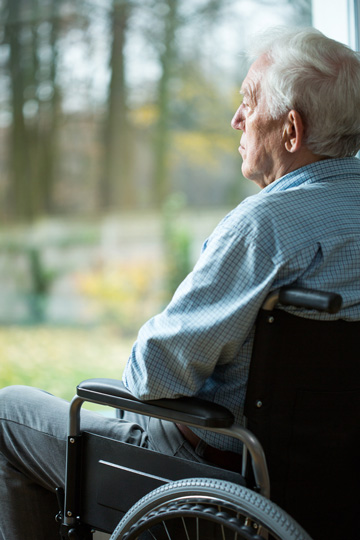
(114, 114)
(338, 19)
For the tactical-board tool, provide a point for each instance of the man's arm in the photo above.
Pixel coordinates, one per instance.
(207, 321)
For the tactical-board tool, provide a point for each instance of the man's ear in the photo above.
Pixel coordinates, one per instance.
(293, 131)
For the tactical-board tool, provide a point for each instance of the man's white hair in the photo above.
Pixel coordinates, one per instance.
(320, 79)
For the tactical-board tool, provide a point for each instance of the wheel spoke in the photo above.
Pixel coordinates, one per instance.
(185, 528)
(222, 527)
(166, 530)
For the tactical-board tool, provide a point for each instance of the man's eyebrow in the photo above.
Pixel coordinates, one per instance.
(247, 91)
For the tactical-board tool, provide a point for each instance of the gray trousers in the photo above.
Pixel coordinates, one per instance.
(33, 431)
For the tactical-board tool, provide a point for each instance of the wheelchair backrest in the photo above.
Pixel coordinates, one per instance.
(303, 404)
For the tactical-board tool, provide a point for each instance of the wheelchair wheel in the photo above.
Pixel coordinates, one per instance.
(206, 509)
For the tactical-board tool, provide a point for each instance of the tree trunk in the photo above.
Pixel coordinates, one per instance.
(162, 133)
(19, 159)
(116, 190)
(48, 131)
(32, 144)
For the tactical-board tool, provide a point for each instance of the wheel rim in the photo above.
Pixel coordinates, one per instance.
(195, 519)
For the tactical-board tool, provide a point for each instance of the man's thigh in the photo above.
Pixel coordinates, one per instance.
(34, 430)
(34, 427)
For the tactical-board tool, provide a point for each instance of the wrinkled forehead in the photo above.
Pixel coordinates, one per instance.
(250, 90)
(251, 87)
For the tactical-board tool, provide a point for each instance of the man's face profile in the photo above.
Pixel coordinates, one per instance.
(261, 144)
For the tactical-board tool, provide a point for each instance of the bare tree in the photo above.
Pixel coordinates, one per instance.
(32, 140)
(116, 189)
(170, 62)
(167, 60)
(301, 9)
(19, 158)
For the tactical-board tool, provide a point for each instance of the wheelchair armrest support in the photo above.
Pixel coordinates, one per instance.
(190, 411)
(187, 410)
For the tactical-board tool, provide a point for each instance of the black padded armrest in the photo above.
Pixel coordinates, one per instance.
(186, 410)
(310, 298)
(306, 298)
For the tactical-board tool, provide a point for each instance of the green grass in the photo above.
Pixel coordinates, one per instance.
(57, 359)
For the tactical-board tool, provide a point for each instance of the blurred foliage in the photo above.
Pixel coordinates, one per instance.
(124, 295)
(24, 261)
(177, 240)
(41, 280)
(57, 359)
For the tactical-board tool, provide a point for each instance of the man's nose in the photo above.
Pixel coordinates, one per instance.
(238, 120)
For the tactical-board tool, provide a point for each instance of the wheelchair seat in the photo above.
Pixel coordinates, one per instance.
(135, 493)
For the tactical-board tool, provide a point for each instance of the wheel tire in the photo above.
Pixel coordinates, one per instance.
(233, 508)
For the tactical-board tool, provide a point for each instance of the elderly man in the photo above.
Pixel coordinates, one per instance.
(300, 124)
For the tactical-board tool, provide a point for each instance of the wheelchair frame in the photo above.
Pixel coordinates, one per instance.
(190, 411)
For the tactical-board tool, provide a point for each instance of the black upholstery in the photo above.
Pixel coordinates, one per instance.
(303, 404)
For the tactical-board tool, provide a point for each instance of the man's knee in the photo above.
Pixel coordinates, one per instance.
(9, 399)
(39, 411)
(16, 398)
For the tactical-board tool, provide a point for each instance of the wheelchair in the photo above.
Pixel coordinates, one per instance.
(302, 439)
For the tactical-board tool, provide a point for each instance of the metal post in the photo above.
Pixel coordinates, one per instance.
(73, 468)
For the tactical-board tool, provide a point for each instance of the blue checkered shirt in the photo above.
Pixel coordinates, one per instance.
(302, 229)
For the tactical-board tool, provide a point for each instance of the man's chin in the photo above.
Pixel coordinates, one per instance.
(245, 171)
(249, 175)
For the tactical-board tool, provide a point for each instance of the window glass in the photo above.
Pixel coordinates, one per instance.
(337, 19)
(117, 160)
(108, 105)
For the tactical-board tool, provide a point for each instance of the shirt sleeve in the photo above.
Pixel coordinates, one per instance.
(207, 321)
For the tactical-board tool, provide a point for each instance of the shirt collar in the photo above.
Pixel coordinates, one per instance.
(316, 172)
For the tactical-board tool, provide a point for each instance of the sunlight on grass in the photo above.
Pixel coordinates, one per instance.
(57, 359)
